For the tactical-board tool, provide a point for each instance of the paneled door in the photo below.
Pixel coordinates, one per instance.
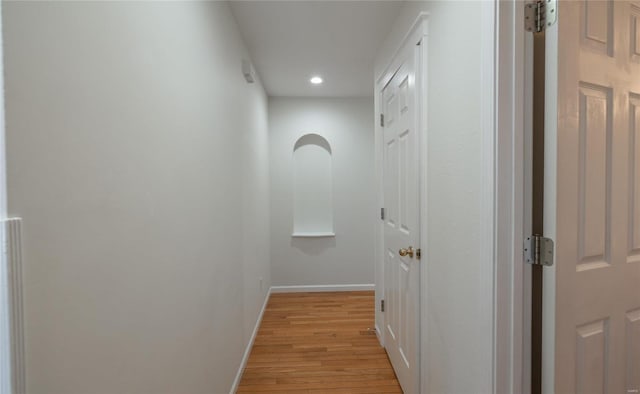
(401, 222)
(591, 307)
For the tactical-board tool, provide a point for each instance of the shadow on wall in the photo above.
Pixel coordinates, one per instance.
(312, 139)
(313, 246)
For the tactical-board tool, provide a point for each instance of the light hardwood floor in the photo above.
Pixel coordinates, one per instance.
(318, 343)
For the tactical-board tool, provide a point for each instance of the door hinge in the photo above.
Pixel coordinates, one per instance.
(381, 305)
(381, 120)
(538, 250)
(540, 14)
(382, 213)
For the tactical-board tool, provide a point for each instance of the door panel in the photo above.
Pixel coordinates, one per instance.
(594, 134)
(633, 348)
(592, 294)
(634, 178)
(401, 229)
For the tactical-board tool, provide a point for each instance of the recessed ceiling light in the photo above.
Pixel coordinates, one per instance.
(316, 80)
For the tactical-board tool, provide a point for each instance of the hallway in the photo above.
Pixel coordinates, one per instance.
(318, 343)
(180, 175)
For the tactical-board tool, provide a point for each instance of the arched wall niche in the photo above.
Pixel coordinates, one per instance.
(312, 187)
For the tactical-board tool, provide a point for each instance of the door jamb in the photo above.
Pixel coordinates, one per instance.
(514, 114)
(7, 365)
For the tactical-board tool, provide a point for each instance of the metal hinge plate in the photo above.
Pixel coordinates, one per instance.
(382, 305)
(538, 250)
(381, 120)
(540, 14)
(382, 213)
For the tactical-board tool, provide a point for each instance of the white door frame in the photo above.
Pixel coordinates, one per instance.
(513, 198)
(6, 357)
(506, 129)
(416, 34)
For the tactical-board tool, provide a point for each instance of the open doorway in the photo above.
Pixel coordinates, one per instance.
(450, 173)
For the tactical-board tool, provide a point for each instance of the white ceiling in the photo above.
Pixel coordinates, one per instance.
(290, 41)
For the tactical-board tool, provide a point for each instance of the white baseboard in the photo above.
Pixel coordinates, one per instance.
(247, 351)
(321, 288)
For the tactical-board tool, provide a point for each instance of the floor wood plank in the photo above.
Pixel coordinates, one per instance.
(318, 343)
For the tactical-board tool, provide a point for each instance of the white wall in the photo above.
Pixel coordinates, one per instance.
(138, 158)
(459, 292)
(347, 258)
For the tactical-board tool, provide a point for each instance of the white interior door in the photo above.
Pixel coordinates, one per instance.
(591, 323)
(401, 223)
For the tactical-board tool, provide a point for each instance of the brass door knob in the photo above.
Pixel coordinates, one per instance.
(406, 252)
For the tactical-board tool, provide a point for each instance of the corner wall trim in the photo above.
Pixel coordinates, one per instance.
(379, 336)
(322, 288)
(247, 351)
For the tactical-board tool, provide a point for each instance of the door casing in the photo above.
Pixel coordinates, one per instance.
(7, 338)
(416, 35)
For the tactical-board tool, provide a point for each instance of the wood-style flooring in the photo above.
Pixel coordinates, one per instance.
(318, 343)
